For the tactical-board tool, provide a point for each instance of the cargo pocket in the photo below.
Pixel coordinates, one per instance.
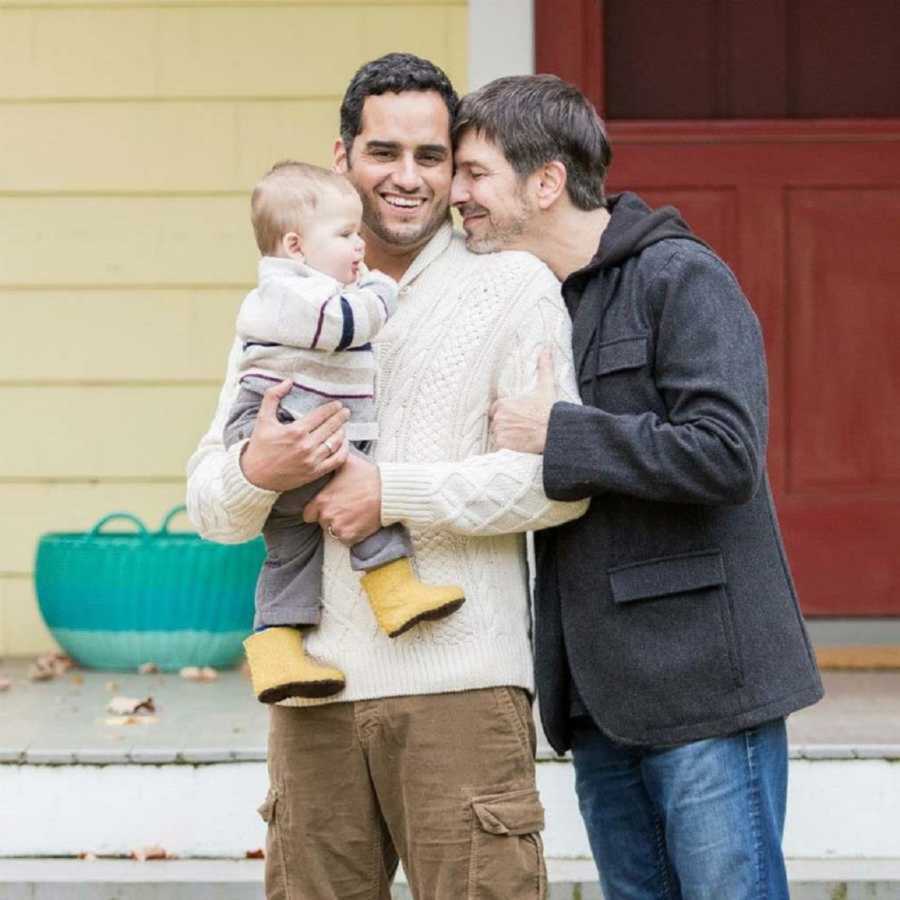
(507, 857)
(267, 810)
(276, 871)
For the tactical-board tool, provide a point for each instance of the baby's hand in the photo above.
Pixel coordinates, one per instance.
(372, 277)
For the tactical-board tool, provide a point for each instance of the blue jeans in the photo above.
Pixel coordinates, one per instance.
(699, 821)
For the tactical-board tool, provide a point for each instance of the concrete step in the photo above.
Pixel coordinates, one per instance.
(52, 879)
(190, 777)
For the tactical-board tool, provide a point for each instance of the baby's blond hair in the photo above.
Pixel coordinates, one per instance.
(286, 196)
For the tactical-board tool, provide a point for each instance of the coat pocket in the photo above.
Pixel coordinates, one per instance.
(667, 575)
(507, 854)
(679, 621)
(620, 354)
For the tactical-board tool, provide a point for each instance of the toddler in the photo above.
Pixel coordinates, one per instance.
(311, 319)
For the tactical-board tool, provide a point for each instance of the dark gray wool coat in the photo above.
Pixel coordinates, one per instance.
(670, 603)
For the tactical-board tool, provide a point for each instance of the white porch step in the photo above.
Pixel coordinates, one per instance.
(71, 784)
(46, 879)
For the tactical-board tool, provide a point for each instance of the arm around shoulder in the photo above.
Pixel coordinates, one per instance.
(500, 492)
(709, 371)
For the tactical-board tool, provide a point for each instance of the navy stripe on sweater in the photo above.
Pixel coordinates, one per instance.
(347, 331)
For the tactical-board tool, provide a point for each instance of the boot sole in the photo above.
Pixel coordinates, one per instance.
(301, 689)
(439, 613)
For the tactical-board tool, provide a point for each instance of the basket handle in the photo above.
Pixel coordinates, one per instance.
(120, 515)
(174, 511)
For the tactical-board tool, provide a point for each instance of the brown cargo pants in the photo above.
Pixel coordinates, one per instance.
(445, 782)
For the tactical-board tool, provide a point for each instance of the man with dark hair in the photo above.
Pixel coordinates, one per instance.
(669, 644)
(428, 752)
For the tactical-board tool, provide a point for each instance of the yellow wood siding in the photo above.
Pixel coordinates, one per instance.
(132, 133)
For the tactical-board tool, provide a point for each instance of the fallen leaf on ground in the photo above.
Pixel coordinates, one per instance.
(196, 673)
(256, 854)
(5, 684)
(148, 668)
(77, 678)
(144, 853)
(88, 857)
(49, 665)
(129, 706)
(131, 720)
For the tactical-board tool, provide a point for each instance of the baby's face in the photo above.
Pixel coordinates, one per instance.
(331, 241)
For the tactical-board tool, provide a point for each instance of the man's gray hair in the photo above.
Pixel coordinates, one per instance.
(536, 119)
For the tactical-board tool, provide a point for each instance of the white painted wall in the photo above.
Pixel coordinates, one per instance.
(501, 39)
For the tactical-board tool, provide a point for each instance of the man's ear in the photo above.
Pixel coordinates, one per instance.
(292, 246)
(341, 161)
(550, 184)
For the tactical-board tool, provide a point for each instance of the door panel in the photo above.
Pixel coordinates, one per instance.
(843, 281)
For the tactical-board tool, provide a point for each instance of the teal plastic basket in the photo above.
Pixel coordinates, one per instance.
(116, 600)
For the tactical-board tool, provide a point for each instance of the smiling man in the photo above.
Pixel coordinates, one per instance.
(428, 753)
(669, 644)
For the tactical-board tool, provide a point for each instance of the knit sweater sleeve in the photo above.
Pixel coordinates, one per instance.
(222, 504)
(498, 492)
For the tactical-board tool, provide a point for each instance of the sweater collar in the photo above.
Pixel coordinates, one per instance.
(429, 253)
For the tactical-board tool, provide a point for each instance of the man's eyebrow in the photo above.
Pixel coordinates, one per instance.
(433, 148)
(382, 145)
(394, 145)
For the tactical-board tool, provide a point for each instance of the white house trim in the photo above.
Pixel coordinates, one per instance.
(501, 39)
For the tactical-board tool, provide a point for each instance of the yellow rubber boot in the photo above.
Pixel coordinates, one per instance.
(399, 600)
(280, 667)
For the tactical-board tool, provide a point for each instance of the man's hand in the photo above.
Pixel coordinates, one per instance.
(520, 423)
(282, 456)
(349, 508)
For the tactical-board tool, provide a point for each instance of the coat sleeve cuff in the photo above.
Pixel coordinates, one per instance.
(561, 480)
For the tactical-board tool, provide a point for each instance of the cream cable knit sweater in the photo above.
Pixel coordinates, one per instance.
(468, 330)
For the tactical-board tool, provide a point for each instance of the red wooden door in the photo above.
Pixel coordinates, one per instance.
(807, 213)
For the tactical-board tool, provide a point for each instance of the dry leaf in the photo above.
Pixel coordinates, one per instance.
(129, 706)
(49, 665)
(88, 857)
(195, 673)
(256, 854)
(77, 678)
(148, 668)
(144, 853)
(38, 673)
(5, 684)
(131, 720)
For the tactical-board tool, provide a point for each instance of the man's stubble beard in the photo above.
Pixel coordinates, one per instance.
(503, 236)
(410, 235)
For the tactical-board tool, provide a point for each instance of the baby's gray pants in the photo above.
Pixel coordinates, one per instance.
(289, 588)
